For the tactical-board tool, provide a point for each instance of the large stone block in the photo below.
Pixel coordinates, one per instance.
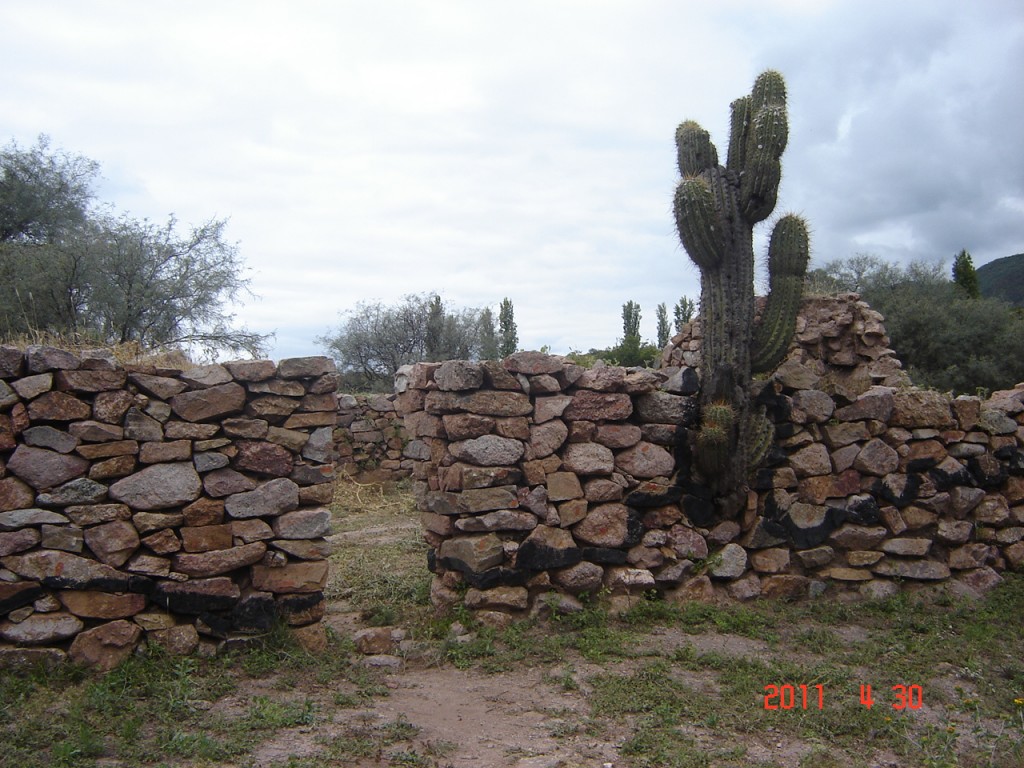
(160, 486)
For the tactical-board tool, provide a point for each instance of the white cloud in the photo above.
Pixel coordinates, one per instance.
(370, 150)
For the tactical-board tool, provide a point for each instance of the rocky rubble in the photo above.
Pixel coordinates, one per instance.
(538, 481)
(177, 507)
(370, 439)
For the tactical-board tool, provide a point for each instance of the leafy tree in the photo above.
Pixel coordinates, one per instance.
(433, 340)
(664, 333)
(44, 193)
(683, 313)
(375, 339)
(944, 338)
(72, 270)
(1004, 279)
(631, 320)
(488, 335)
(508, 336)
(965, 276)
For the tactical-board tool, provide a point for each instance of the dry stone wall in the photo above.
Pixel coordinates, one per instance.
(370, 438)
(539, 481)
(183, 508)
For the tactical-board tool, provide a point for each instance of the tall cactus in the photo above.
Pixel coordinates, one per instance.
(716, 209)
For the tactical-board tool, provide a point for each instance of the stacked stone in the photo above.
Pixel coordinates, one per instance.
(838, 340)
(534, 476)
(177, 507)
(891, 484)
(370, 438)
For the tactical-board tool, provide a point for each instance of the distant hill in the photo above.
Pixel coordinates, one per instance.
(1003, 279)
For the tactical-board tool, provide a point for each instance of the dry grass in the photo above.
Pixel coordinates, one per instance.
(128, 353)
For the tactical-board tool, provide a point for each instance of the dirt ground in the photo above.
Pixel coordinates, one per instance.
(441, 716)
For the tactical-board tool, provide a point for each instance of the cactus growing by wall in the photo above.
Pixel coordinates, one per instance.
(716, 209)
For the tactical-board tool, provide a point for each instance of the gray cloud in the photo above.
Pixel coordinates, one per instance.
(365, 151)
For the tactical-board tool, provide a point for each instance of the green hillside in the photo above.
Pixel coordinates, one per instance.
(1003, 279)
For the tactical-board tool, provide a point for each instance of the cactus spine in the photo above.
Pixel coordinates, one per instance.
(716, 209)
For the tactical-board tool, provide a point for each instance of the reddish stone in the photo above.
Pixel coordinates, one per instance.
(113, 543)
(206, 538)
(93, 451)
(14, 494)
(303, 577)
(214, 563)
(204, 511)
(159, 486)
(58, 406)
(160, 387)
(251, 370)
(116, 467)
(107, 645)
(211, 403)
(264, 458)
(110, 407)
(92, 604)
(604, 526)
(305, 367)
(588, 405)
(43, 469)
(163, 542)
(90, 381)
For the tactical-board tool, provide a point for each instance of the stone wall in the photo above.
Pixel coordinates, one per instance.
(538, 480)
(370, 438)
(184, 508)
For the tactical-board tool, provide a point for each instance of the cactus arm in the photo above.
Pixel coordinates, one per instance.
(697, 221)
(788, 253)
(766, 136)
(739, 127)
(716, 209)
(695, 150)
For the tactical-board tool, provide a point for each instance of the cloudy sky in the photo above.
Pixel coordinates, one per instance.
(484, 149)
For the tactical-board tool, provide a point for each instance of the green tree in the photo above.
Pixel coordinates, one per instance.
(631, 320)
(488, 335)
(965, 276)
(944, 338)
(508, 341)
(664, 332)
(375, 339)
(433, 340)
(45, 193)
(69, 269)
(683, 313)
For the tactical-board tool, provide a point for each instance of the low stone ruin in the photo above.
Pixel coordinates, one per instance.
(539, 481)
(182, 508)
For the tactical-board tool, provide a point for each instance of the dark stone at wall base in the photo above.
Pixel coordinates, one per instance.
(776, 456)
(535, 556)
(863, 511)
(197, 596)
(988, 471)
(899, 490)
(804, 537)
(16, 594)
(1014, 460)
(634, 529)
(254, 613)
(496, 577)
(646, 499)
(299, 610)
(699, 507)
(214, 624)
(949, 474)
(604, 555)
